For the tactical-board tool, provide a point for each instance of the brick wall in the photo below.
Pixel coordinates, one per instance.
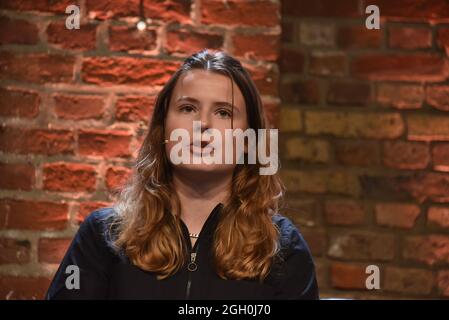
(74, 105)
(364, 125)
(365, 143)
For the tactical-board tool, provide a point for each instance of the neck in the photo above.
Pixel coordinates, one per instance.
(202, 186)
(199, 194)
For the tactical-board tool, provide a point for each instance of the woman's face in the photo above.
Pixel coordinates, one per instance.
(205, 96)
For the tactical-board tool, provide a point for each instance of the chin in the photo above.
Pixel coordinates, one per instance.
(206, 168)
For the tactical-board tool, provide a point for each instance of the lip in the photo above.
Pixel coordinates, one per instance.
(203, 144)
(199, 151)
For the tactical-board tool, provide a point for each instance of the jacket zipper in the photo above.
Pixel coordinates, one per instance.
(191, 267)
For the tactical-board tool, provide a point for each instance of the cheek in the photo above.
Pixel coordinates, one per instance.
(173, 122)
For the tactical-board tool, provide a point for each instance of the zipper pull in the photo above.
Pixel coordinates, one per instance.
(192, 265)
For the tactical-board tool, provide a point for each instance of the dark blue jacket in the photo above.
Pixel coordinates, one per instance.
(105, 274)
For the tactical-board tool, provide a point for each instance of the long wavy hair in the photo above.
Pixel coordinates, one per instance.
(148, 226)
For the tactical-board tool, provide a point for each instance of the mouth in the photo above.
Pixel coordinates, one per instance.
(202, 148)
(203, 144)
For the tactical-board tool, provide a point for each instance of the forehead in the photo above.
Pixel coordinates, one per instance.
(207, 86)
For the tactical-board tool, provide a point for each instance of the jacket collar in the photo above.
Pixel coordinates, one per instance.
(209, 225)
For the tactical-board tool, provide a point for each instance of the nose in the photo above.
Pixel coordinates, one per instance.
(205, 121)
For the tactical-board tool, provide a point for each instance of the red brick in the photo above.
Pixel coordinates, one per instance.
(23, 288)
(77, 39)
(314, 33)
(358, 245)
(348, 93)
(56, 6)
(442, 39)
(344, 212)
(409, 38)
(438, 216)
(39, 141)
(426, 127)
(406, 155)
(18, 103)
(358, 37)
(316, 240)
(134, 108)
(400, 96)
(78, 107)
(87, 208)
(357, 153)
(187, 42)
(408, 281)
(51, 250)
(418, 186)
(107, 143)
(265, 78)
(116, 177)
(33, 215)
(440, 156)
(235, 12)
(360, 125)
(300, 91)
(437, 97)
(70, 177)
(17, 31)
(14, 251)
(395, 67)
(431, 250)
(36, 67)
(412, 10)
(321, 8)
(348, 276)
(17, 176)
(443, 282)
(327, 64)
(168, 11)
(126, 38)
(401, 215)
(291, 61)
(256, 46)
(126, 70)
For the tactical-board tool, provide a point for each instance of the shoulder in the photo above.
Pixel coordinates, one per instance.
(296, 277)
(90, 252)
(98, 220)
(291, 238)
(100, 217)
(97, 226)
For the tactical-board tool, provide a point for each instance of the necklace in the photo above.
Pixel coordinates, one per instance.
(193, 235)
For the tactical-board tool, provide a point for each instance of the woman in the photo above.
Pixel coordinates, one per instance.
(193, 230)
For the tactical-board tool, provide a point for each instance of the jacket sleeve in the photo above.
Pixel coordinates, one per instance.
(298, 278)
(89, 254)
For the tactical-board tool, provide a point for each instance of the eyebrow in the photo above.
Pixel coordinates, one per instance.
(191, 99)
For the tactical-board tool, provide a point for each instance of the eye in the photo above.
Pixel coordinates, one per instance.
(224, 113)
(187, 108)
